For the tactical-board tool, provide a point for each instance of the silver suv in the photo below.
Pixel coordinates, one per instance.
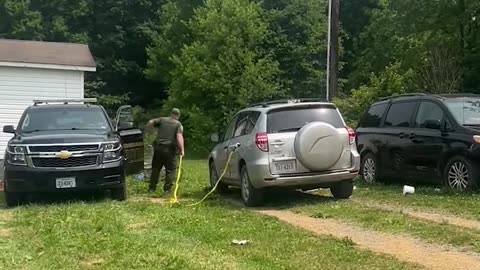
(297, 144)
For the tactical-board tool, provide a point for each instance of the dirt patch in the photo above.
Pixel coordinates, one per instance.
(6, 232)
(6, 215)
(92, 262)
(402, 247)
(137, 226)
(430, 216)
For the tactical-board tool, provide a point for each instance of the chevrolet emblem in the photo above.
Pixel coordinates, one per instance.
(63, 155)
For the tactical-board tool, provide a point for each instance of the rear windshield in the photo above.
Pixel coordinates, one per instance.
(466, 110)
(293, 119)
(67, 118)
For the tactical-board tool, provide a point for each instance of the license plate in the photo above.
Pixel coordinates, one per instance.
(66, 182)
(286, 167)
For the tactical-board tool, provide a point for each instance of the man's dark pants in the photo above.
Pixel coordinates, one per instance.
(164, 155)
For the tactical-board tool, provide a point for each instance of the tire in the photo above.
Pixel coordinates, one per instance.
(222, 188)
(460, 175)
(342, 190)
(14, 199)
(119, 194)
(369, 168)
(250, 195)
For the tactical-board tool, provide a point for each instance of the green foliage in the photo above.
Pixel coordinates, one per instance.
(388, 83)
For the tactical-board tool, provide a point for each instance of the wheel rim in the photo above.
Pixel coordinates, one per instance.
(458, 177)
(213, 175)
(369, 170)
(245, 187)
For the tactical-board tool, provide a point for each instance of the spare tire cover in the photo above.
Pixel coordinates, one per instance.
(318, 146)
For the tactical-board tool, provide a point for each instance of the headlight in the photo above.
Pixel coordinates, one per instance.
(112, 152)
(16, 155)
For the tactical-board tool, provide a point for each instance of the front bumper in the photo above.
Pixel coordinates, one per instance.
(261, 177)
(27, 179)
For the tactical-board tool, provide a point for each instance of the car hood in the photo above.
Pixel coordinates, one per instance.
(60, 137)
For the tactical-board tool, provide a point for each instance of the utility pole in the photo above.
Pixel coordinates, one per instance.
(332, 48)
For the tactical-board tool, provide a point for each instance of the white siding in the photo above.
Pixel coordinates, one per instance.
(20, 86)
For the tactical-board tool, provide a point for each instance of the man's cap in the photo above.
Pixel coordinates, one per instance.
(176, 111)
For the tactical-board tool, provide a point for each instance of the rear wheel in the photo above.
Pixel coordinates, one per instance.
(119, 194)
(460, 175)
(369, 168)
(222, 187)
(342, 190)
(250, 195)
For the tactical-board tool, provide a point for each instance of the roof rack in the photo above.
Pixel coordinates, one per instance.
(283, 101)
(403, 95)
(64, 101)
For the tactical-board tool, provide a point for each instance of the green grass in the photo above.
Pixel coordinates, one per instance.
(424, 197)
(143, 235)
(395, 222)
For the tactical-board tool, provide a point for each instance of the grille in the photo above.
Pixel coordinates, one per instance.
(59, 148)
(64, 163)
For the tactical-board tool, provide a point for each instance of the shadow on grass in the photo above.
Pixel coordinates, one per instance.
(61, 198)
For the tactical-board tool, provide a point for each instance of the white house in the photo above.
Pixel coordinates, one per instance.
(38, 70)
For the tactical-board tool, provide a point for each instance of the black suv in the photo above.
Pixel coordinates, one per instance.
(428, 138)
(71, 145)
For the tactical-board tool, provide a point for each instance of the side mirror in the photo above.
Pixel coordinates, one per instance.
(433, 124)
(125, 125)
(8, 129)
(215, 137)
(124, 118)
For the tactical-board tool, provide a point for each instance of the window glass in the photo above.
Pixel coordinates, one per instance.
(242, 124)
(466, 110)
(294, 118)
(374, 115)
(252, 121)
(65, 118)
(399, 114)
(428, 111)
(231, 128)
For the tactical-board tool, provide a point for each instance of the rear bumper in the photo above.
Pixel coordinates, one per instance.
(24, 179)
(261, 178)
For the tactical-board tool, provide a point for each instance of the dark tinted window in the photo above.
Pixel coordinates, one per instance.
(293, 119)
(399, 114)
(428, 111)
(374, 115)
(245, 124)
(66, 118)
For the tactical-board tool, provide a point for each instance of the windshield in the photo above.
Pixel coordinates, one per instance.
(466, 110)
(293, 119)
(90, 118)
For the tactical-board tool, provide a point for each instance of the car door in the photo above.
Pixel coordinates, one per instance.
(131, 138)
(395, 134)
(241, 137)
(428, 140)
(222, 149)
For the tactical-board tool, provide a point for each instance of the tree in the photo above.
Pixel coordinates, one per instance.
(297, 38)
(224, 68)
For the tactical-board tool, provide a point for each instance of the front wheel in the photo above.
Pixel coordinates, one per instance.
(119, 194)
(460, 175)
(14, 199)
(250, 195)
(342, 190)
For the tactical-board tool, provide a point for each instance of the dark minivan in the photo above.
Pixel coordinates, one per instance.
(422, 138)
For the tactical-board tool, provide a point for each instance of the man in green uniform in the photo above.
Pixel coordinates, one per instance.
(169, 140)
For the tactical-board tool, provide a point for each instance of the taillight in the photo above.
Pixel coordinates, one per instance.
(261, 140)
(351, 134)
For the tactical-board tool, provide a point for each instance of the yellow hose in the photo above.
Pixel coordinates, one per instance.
(174, 200)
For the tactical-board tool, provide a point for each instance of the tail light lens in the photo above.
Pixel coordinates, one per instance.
(261, 140)
(351, 134)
